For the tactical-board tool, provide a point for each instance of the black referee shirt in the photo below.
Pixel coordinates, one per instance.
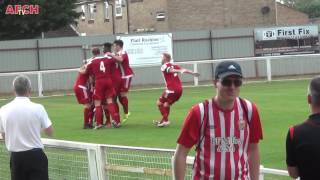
(303, 148)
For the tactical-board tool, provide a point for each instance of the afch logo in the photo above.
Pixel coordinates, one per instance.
(25, 9)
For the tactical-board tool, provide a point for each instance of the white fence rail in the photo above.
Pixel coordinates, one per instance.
(261, 68)
(82, 161)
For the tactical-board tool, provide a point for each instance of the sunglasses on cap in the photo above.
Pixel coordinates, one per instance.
(228, 82)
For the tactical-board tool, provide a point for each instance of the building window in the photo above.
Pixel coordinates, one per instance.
(161, 16)
(106, 10)
(123, 3)
(118, 8)
(92, 11)
(83, 12)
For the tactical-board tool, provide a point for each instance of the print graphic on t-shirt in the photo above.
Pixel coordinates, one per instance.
(226, 144)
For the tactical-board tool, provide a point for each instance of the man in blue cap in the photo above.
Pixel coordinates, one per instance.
(225, 131)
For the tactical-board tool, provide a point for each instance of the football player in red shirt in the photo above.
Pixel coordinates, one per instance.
(82, 91)
(173, 90)
(100, 68)
(126, 75)
(116, 82)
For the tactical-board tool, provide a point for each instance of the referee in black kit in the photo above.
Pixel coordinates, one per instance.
(21, 122)
(303, 140)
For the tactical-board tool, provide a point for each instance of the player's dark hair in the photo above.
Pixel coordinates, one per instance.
(107, 47)
(118, 43)
(314, 91)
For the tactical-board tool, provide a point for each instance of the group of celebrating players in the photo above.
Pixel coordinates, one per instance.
(105, 79)
(102, 81)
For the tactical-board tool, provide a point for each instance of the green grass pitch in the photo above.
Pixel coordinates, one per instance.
(281, 104)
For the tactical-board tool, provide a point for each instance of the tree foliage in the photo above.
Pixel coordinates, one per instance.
(53, 15)
(310, 7)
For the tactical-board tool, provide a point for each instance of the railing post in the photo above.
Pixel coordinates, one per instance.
(195, 79)
(268, 63)
(40, 87)
(101, 162)
(261, 175)
(92, 164)
(172, 165)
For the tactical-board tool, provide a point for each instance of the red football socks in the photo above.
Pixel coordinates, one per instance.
(164, 112)
(86, 116)
(124, 102)
(114, 114)
(107, 114)
(99, 116)
(167, 112)
(91, 114)
(116, 105)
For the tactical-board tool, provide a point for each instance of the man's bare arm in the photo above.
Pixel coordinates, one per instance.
(187, 71)
(48, 131)
(180, 157)
(254, 161)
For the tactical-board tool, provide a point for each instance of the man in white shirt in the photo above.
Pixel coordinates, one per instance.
(21, 122)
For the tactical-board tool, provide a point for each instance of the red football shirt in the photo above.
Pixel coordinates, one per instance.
(115, 70)
(172, 80)
(101, 67)
(81, 80)
(222, 138)
(125, 68)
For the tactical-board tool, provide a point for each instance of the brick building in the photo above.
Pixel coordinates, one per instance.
(126, 16)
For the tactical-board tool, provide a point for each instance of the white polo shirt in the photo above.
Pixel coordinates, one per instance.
(22, 120)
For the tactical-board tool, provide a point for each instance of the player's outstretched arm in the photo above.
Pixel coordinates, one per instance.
(187, 71)
(182, 70)
(117, 58)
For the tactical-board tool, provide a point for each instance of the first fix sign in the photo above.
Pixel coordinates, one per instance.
(25, 9)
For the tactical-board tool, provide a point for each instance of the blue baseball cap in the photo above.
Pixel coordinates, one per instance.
(227, 68)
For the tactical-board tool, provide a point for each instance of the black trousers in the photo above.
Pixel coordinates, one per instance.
(29, 165)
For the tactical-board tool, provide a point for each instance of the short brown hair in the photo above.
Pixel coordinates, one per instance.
(95, 51)
(167, 55)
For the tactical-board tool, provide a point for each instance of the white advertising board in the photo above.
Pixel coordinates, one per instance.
(290, 32)
(147, 49)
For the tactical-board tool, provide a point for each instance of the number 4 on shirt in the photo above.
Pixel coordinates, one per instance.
(102, 68)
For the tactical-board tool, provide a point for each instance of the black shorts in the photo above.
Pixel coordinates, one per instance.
(29, 165)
